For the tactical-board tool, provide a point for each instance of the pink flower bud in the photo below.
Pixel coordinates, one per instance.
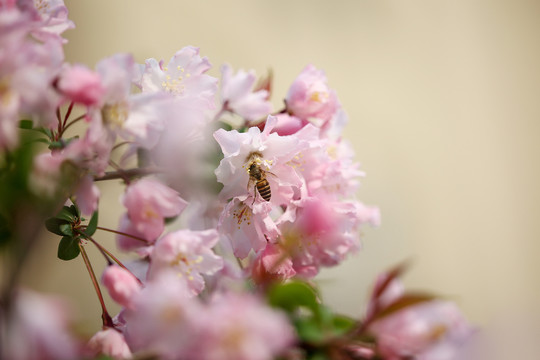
(121, 284)
(109, 342)
(81, 85)
(310, 97)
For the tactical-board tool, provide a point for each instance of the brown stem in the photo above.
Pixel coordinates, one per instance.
(108, 253)
(67, 114)
(124, 234)
(77, 119)
(106, 318)
(113, 175)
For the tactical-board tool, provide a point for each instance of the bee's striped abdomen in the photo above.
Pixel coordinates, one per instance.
(263, 186)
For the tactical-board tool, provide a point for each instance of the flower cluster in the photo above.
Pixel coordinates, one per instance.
(231, 207)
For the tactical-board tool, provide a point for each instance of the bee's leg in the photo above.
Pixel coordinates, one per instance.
(254, 194)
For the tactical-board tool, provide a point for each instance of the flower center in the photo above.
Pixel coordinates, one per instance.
(115, 115)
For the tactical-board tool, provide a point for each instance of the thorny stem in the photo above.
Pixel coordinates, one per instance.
(106, 318)
(113, 175)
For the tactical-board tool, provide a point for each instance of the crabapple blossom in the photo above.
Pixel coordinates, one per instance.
(135, 242)
(246, 228)
(81, 85)
(434, 330)
(184, 76)
(164, 318)
(189, 254)
(37, 328)
(269, 151)
(310, 97)
(238, 96)
(322, 233)
(288, 124)
(109, 342)
(139, 117)
(148, 203)
(87, 195)
(121, 284)
(241, 327)
(272, 264)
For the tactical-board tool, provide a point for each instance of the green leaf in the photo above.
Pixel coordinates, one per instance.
(26, 124)
(66, 229)
(68, 214)
(92, 224)
(405, 301)
(75, 210)
(68, 248)
(53, 225)
(309, 330)
(343, 324)
(291, 296)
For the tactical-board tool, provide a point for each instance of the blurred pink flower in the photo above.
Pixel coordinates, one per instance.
(164, 319)
(121, 285)
(182, 77)
(238, 95)
(128, 243)
(241, 327)
(38, 328)
(189, 254)
(139, 117)
(310, 97)
(321, 232)
(148, 203)
(272, 264)
(87, 195)
(109, 342)
(81, 85)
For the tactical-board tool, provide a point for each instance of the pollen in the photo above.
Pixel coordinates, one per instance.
(319, 96)
(115, 115)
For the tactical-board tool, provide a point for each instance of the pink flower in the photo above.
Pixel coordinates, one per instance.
(246, 228)
(272, 264)
(87, 195)
(130, 243)
(81, 85)
(431, 330)
(241, 327)
(310, 97)
(237, 93)
(38, 328)
(148, 203)
(183, 76)
(121, 284)
(109, 342)
(189, 254)
(422, 331)
(288, 125)
(140, 117)
(267, 151)
(54, 19)
(320, 232)
(164, 319)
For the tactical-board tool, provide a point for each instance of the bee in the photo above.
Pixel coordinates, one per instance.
(257, 176)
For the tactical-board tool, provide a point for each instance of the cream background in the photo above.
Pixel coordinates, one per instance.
(443, 104)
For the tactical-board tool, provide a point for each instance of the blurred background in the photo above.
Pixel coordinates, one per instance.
(443, 100)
